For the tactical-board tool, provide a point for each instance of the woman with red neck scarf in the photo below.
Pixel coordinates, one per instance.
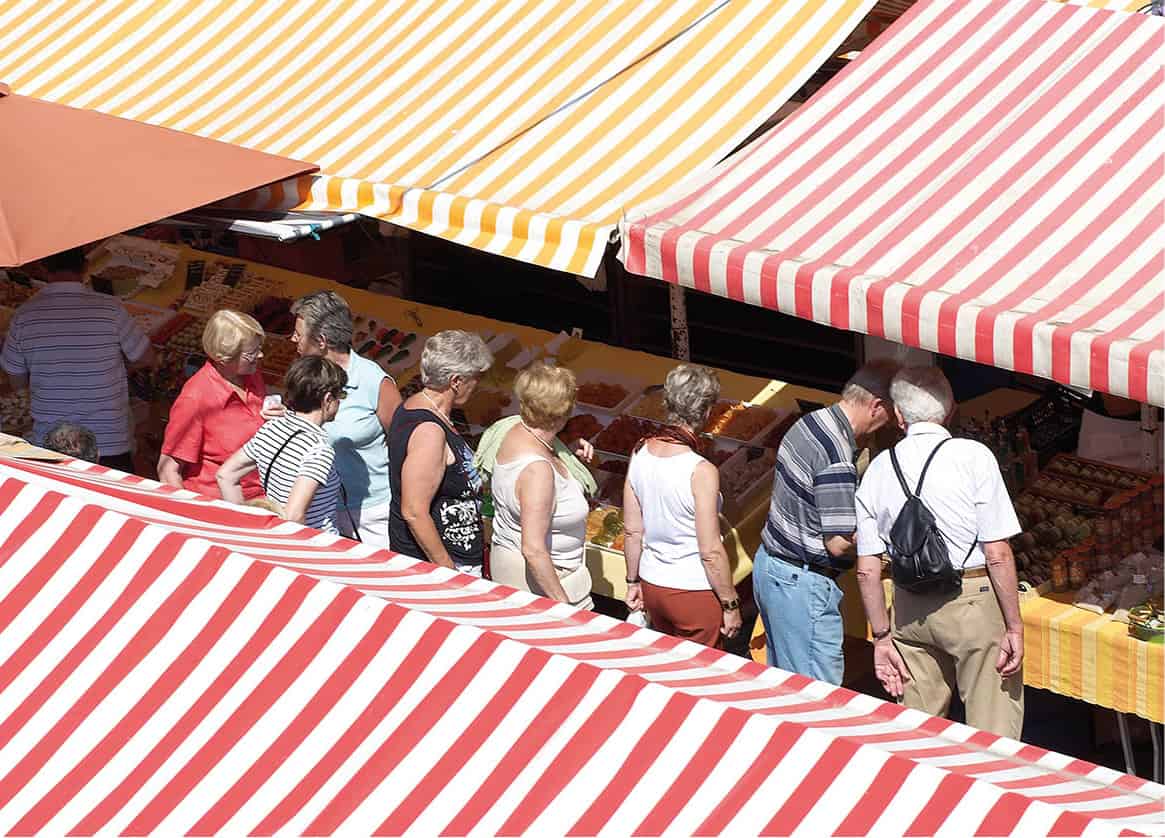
(677, 568)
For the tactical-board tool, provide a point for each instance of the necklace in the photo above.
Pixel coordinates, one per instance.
(438, 411)
(530, 430)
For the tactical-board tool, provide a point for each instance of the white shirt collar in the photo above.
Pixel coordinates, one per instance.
(926, 428)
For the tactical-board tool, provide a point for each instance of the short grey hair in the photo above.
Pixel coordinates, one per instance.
(871, 381)
(326, 315)
(922, 394)
(453, 353)
(689, 391)
(72, 440)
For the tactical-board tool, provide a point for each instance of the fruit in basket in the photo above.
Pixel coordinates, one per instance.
(601, 394)
(583, 426)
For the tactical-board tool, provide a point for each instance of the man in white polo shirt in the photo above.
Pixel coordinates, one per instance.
(970, 640)
(70, 345)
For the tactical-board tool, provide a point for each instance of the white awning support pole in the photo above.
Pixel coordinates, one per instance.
(1150, 438)
(680, 347)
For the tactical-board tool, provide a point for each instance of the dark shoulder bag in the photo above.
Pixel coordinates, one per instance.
(919, 559)
(267, 471)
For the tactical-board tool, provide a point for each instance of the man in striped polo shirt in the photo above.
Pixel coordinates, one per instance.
(808, 540)
(71, 345)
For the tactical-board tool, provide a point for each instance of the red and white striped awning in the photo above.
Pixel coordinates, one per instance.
(171, 665)
(985, 181)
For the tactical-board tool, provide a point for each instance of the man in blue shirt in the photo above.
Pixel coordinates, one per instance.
(808, 539)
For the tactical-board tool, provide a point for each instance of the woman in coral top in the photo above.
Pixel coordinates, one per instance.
(219, 408)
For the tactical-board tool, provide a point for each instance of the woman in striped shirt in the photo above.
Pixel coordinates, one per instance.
(293, 453)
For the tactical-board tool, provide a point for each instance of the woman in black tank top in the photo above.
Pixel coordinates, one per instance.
(435, 511)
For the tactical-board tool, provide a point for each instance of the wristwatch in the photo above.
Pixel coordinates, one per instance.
(880, 635)
(631, 581)
(730, 605)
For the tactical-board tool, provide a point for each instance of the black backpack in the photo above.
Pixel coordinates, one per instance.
(919, 560)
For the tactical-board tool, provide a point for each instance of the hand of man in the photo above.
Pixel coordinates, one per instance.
(1010, 653)
(889, 667)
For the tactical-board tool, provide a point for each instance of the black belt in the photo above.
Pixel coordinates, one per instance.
(819, 569)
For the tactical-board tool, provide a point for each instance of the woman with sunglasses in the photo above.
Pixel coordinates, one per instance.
(220, 407)
(293, 455)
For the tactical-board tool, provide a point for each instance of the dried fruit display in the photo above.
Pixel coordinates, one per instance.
(583, 426)
(739, 420)
(601, 394)
(742, 472)
(622, 435)
(651, 406)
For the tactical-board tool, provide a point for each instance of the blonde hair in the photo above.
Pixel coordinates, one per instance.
(545, 395)
(226, 332)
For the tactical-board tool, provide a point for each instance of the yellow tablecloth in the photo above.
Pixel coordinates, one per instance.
(1091, 657)
(1069, 651)
(606, 566)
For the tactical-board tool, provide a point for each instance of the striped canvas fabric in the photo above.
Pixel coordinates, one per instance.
(522, 128)
(172, 665)
(984, 181)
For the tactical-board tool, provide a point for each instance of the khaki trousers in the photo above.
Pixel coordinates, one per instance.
(951, 641)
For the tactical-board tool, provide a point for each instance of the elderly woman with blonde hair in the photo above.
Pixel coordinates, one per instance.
(540, 510)
(435, 511)
(677, 568)
(219, 408)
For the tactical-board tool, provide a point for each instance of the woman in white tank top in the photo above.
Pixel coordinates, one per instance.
(540, 511)
(677, 568)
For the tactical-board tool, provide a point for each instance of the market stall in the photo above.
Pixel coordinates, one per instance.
(983, 182)
(182, 666)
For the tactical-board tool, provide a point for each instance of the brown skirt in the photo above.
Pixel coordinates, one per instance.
(692, 615)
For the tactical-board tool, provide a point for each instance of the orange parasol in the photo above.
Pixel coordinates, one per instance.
(70, 176)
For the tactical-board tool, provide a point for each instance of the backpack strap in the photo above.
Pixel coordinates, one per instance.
(267, 471)
(918, 491)
(926, 465)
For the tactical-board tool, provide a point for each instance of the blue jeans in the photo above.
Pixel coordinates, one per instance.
(803, 628)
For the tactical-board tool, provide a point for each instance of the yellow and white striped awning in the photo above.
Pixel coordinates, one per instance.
(522, 127)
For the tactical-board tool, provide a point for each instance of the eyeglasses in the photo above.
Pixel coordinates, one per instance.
(339, 396)
(252, 356)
